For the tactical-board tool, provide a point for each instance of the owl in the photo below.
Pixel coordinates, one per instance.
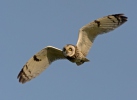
(74, 53)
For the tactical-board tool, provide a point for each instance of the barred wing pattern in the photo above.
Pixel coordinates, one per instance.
(39, 62)
(89, 32)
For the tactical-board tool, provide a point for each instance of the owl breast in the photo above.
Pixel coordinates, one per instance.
(73, 54)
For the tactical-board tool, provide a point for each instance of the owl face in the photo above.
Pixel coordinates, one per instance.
(69, 50)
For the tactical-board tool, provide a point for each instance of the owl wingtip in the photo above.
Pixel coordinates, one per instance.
(121, 15)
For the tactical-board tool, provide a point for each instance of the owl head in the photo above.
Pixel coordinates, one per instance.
(69, 50)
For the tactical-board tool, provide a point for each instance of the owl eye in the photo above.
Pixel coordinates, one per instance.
(70, 49)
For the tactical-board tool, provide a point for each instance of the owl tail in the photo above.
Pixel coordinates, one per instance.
(82, 61)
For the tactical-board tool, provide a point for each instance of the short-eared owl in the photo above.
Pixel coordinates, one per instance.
(74, 53)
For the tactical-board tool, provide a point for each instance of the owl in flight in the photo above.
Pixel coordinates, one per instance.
(74, 53)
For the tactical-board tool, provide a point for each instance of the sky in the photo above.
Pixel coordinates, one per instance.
(27, 26)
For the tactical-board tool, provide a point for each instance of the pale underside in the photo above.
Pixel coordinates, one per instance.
(89, 32)
(41, 60)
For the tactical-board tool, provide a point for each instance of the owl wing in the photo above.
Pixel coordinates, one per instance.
(39, 62)
(88, 33)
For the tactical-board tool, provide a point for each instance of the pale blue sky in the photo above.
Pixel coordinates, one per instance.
(27, 26)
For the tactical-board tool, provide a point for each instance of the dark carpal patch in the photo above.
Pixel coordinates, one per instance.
(98, 22)
(35, 58)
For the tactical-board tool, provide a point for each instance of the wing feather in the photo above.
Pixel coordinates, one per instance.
(89, 32)
(39, 62)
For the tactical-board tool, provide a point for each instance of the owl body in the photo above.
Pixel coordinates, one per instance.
(73, 54)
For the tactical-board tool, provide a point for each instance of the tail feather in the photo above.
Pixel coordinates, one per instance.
(82, 61)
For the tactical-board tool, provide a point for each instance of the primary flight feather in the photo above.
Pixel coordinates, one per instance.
(74, 53)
